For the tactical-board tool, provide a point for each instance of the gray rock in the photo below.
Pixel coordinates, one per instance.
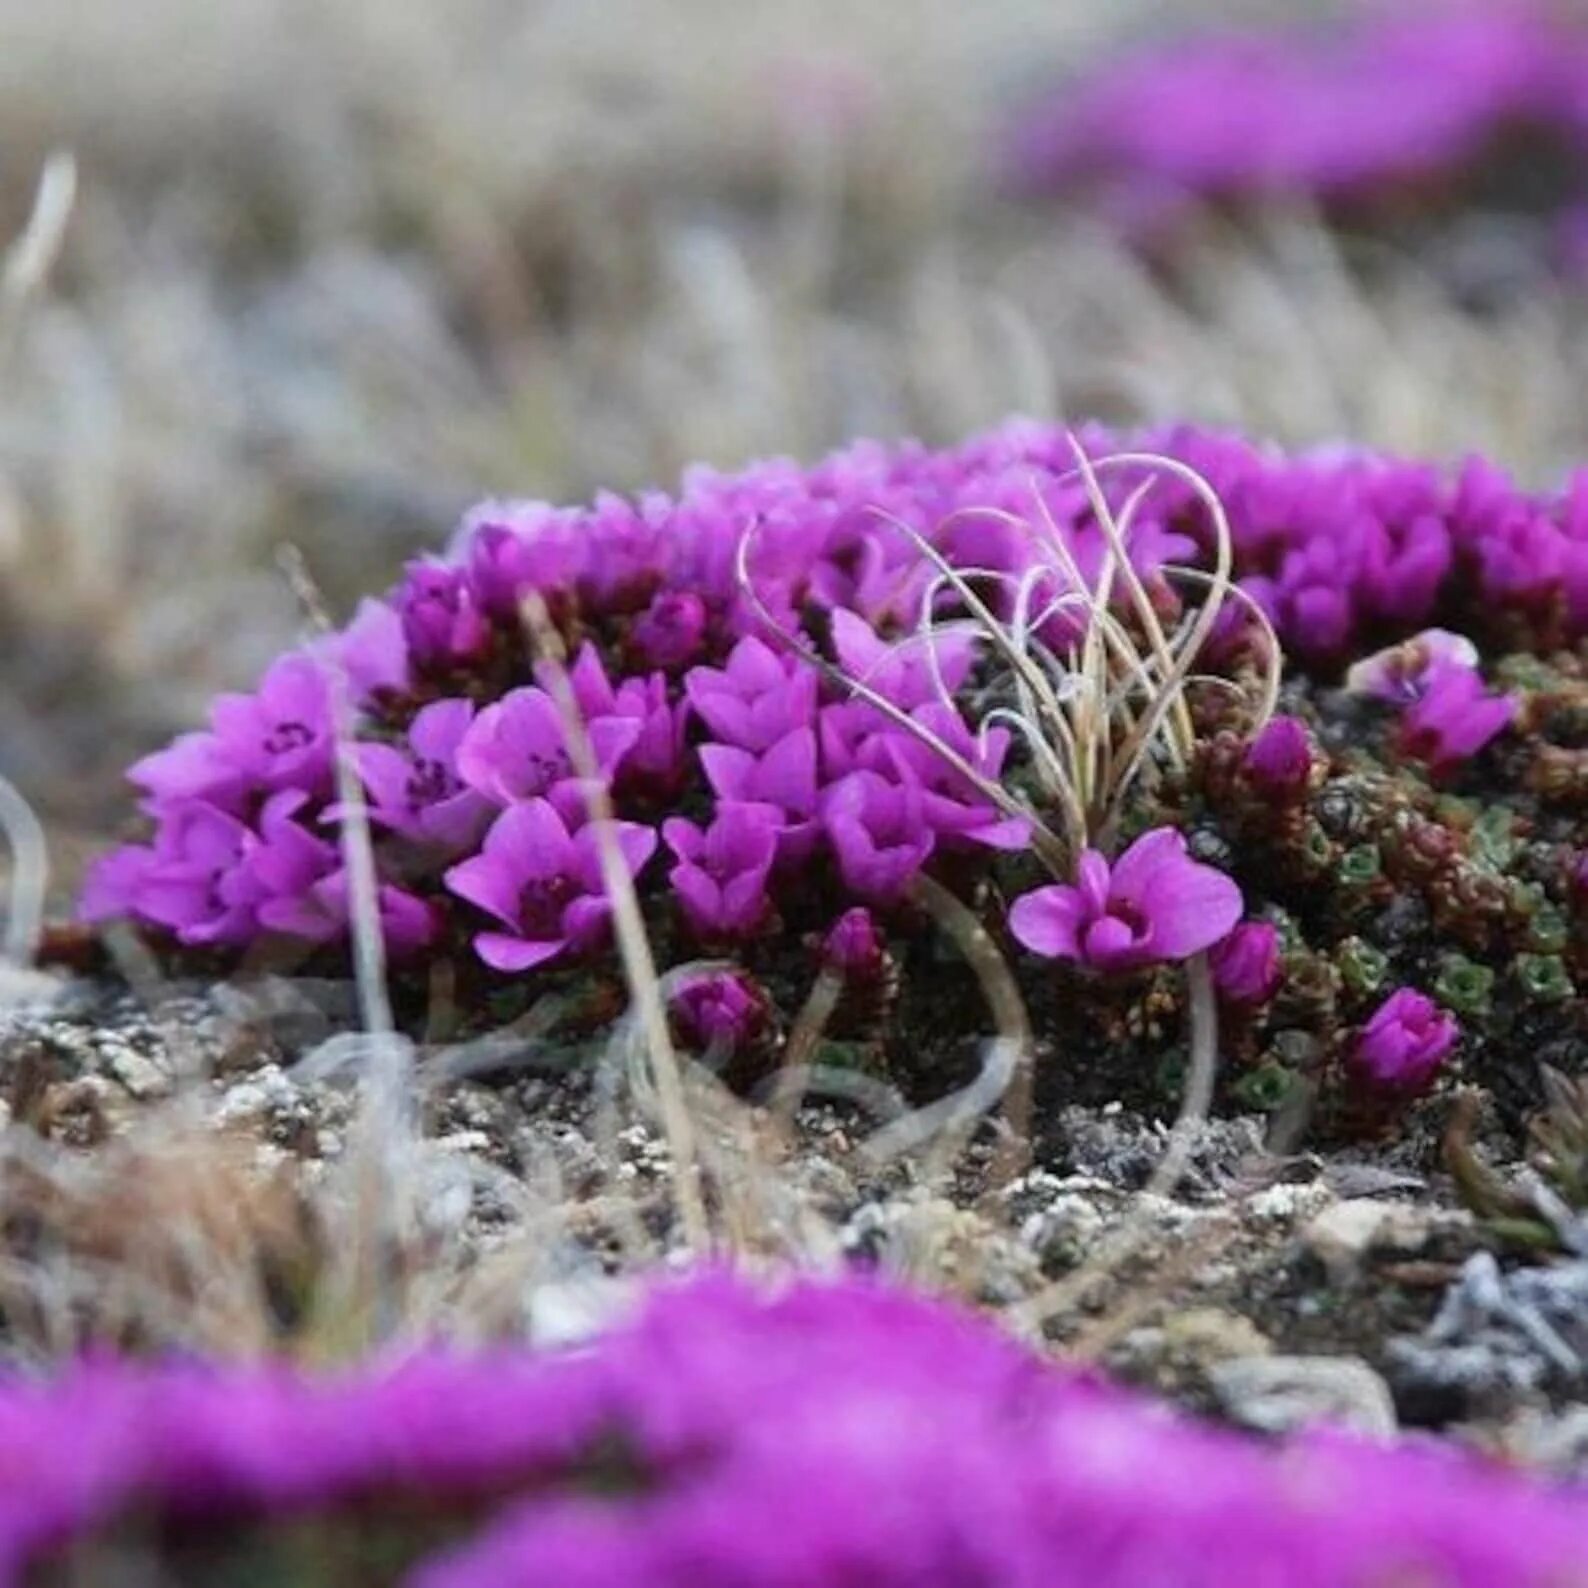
(1283, 1394)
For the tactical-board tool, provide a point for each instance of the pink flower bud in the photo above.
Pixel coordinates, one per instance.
(1402, 1046)
(1247, 967)
(1279, 759)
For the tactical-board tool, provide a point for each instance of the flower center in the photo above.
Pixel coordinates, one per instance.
(540, 907)
(286, 737)
(429, 783)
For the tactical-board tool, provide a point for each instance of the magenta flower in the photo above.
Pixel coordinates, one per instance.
(784, 776)
(1401, 674)
(371, 651)
(1454, 718)
(1155, 903)
(722, 872)
(543, 884)
(1247, 966)
(517, 749)
(194, 881)
(671, 632)
(442, 622)
(655, 761)
(278, 738)
(758, 699)
(911, 672)
(417, 791)
(950, 803)
(301, 887)
(512, 548)
(720, 1013)
(1279, 760)
(879, 833)
(1402, 1046)
(854, 946)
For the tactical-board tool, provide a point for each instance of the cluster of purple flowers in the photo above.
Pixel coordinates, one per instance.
(1394, 99)
(741, 776)
(837, 1433)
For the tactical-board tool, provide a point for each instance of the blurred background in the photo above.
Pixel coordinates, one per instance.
(334, 270)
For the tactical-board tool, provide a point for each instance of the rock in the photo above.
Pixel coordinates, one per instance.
(1283, 1394)
(1180, 1355)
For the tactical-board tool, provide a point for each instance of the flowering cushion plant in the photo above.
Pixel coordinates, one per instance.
(806, 690)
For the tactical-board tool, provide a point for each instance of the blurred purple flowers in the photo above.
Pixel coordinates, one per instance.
(925, 1450)
(1154, 903)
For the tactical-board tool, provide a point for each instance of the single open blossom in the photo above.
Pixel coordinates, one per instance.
(517, 749)
(783, 776)
(757, 699)
(879, 833)
(671, 632)
(193, 880)
(654, 761)
(371, 651)
(417, 790)
(1279, 760)
(543, 884)
(1405, 1042)
(300, 886)
(1247, 966)
(1401, 674)
(1453, 719)
(911, 671)
(277, 738)
(443, 624)
(721, 875)
(854, 946)
(720, 1012)
(1154, 903)
(513, 548)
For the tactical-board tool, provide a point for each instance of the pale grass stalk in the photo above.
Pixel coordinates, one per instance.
(30, 874)
(1009, 1053)
(639, 965)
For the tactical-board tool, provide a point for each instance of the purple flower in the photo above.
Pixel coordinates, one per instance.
(512, 548)
(879, 833)
(277, 738)
(194, 881)
(1279, 760)
(783, 776)
(1400, 674)
(720, 1013)
(910, 672)
(758, 699)
(1155, 903)
(418, 791)
(854, 946)
(1402, 1046)
(517, 749)
(951, 804)
(1247, 965)
(1454, 718)
(671, 632)
(654, 763)
(371, 651)
(543, 884)
(442, 621)
(721, 875)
